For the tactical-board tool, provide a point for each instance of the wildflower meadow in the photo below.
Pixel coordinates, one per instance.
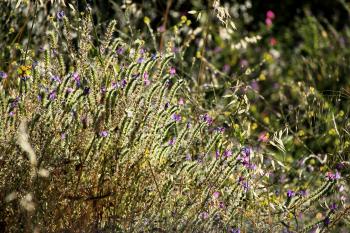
(174, 116)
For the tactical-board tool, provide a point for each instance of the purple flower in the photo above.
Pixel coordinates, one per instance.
(76, 78)
(123, 83)
(63, 136)
(333, 206)
(145, 79)
(3, 75)
(172, 141)
(204, 215)
(332, 176)
(302, 193)
(11, 114)
(220, 129)
(188, 157)
(217, 154)
(140, 60)
(103, 89)
(216, 194)
(188, 125)
(235, 230)
(176, 117)
(56, 79)
(86, 91)
(60, 15)
(246, 151)
(207, 119)
(114, 85)
(120, 50)
(226, 68)
(227, 153)
(70, 90)
(327, 221)
(243, 182)
(52, 95)
(181, 101)
(290, 193)
(172, 71)
(221, 205)
(104, 133)
(161, 28)
(154, 56)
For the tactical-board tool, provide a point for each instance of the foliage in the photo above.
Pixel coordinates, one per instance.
(190, 125)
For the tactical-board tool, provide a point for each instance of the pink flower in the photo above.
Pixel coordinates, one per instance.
(181, 101)
(172, 71)
(216, 194)
(270, 14)
(273, 41)
(263, 137)
(268, 22)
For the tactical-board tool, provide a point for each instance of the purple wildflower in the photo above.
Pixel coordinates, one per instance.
(120, 50)
(235, 230)
(3, 75)
(86, 91)
(52, 95)
(188, 125)
(172, 141)
(204, 215)
(216, 194)
(63, 136)
(290, 193)
(176, 117)
(221, 205)
(70, 90)
(140, 60)
(145, 79)
(207, 119)
(60, 15)
(56, 79)
(76, 78)
(104, 133)
(123, 83)
(114, 85)
(226, 68)
(154, 56)
(161, 28)
(246, 151)
(220, 129)
(327, 221)
(302, 193)
(172, 71)
(217, 154)
(103, 89)
(227, 153)
(333, 206)
(181, 101)
(11, 114)
(332, 176)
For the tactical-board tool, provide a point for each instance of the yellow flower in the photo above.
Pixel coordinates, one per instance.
(266, 120)
(262, 77)
(146, 20)
(24, 71)
(254, 126)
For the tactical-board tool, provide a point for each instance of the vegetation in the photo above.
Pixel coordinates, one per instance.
(172, 117)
